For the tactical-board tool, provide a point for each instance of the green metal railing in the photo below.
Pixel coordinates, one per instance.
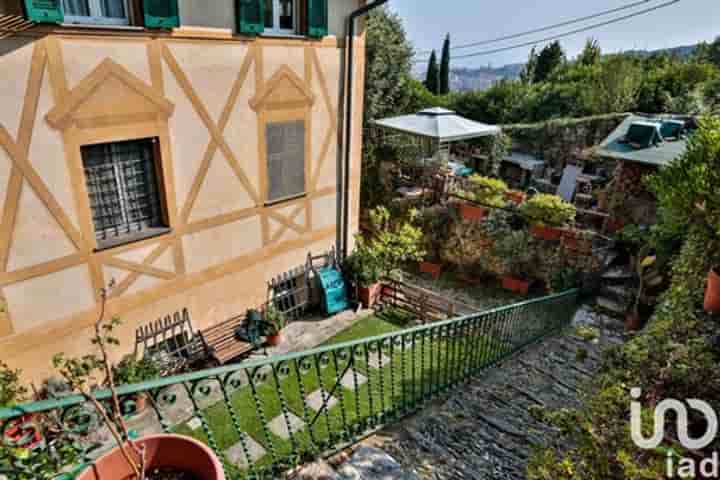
(268, 415)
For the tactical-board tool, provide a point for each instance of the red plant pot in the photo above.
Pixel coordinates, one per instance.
(515, 197)
(516, 285)
(369, 295)
(712, 291)
(615, 225)
(469, 280)
(633, 322)
(23, 432)
(433, 269)
(472, 212)
(274, 340)
(161, 451)
(579, 245)
(544, 232)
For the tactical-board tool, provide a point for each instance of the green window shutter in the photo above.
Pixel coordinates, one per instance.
(317, 18)
(161, 13)
(251, 16)
(44, 11)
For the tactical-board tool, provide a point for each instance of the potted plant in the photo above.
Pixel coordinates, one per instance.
(133, 370)
(177, 456)
(363, 271)
(647, 276)
(580, 241)
(712, 291)
(13, 392)
(468, 210)
(489, 191)
(516, 260)
(275, 321)
(546, 213)
(396, 243)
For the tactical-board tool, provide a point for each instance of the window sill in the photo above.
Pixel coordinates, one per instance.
(103, 26)
(279, 201)
(110, 243)
(295, 36)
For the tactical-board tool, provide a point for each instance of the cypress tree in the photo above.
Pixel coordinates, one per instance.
(445, 67)
(432, 82)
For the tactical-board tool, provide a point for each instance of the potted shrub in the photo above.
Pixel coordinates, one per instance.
(131, 370)
(489, 191)
(177, 456)
(363, 271)
(470, 211)
(396, 243)
(516, 261)
(13, 392)
(546, 213)
(275, 321)
(580, 241)
(712, 291)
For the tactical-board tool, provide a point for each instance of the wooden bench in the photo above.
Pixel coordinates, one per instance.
(221, 342)
(425, 305)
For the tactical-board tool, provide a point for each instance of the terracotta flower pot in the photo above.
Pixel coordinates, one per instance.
(543, 232)
(515, 197)
(469, 280)
(274, 340)
(516, 285)
(433, 269)
(615, 225)
(472, 212)
(161, 451)
(369, 295)
(712, 291)
(633, 321)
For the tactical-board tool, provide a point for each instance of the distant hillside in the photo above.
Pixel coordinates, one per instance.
(482, 78)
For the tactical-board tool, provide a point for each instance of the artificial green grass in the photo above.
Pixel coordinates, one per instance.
(411, 372)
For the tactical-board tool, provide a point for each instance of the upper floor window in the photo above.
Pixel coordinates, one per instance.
(125, 192)
(107, 12)
(281, 16)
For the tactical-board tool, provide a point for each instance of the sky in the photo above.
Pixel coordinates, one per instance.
(427, 22)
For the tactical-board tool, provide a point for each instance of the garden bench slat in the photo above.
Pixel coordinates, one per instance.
(221, 342)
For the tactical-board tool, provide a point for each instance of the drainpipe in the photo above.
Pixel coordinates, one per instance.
(344, 189)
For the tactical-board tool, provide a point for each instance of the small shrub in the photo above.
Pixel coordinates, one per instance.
(12, 391)
(514, 253)
(545, 208)
(489, 191)
(132, 370)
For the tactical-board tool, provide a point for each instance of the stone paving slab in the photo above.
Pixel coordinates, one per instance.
(236, 455)
(375, 362)
(348, 380)
(373, 464)
(279, 425)
(315, 400)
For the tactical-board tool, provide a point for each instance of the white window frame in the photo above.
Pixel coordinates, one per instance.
(96, 17)
(275, 29)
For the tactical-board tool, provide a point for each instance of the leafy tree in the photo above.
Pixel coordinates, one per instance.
(528, 73)
(550, 58)
(388, 65)
(432, 81)
(617, 84)
(591, 54)
(710, 52)
(445, 67)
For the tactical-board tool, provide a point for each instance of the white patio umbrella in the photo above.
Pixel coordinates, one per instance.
(439, 124)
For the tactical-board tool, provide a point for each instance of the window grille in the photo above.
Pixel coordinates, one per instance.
(285, 160)
(96, 11)
(123, 188)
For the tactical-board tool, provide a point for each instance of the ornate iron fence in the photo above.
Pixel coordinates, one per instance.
(268, 415)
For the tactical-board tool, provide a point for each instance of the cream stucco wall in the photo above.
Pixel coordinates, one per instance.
(221, 14)
(218, 257)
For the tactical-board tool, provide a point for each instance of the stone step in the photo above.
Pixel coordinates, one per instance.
(369, 463)
(618, 292)
(612, 306)
(617, 275)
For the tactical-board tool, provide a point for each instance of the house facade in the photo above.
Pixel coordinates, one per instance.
(187, 151)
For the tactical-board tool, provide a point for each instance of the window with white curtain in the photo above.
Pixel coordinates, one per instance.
(281, 16)
(107, 12)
